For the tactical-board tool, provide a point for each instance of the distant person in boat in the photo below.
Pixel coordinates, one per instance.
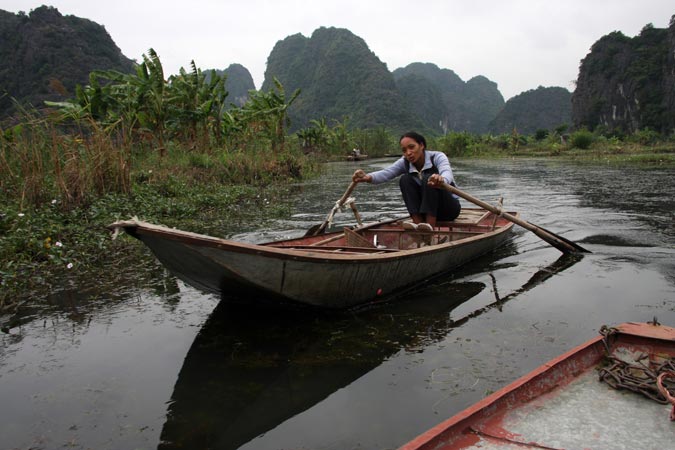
(421, 172)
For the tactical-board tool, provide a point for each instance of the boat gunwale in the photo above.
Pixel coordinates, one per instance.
(138, 227)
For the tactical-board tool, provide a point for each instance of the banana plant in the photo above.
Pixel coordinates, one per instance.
(197, 106)
(269, 111)
(151, 96)
(316, 136)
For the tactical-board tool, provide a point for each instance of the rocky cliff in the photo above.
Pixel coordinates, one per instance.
(626, 84)
(339, 78)
(544, 108)
(45, 55)
(445, 101)
(238, 82)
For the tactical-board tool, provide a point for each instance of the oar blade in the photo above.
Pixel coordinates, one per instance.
(562, 244)
(316, 229)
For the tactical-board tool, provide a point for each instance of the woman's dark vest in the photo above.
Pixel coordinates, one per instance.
(426, 173)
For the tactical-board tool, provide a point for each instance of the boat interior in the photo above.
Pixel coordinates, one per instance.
(391, 236)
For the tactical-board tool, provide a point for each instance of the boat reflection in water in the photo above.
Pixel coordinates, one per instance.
(248, 371)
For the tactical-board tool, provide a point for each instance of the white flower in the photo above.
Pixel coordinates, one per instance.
(21, 214)
(69, 265)
(54, 202)
(58, 244)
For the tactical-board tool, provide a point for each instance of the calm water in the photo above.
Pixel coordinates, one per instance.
(160, 365)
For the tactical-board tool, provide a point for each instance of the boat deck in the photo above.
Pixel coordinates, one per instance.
(584, 414)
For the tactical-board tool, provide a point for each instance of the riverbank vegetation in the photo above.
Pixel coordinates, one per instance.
(175, 152)
(60, 190)
(644, 147)
(168, 151)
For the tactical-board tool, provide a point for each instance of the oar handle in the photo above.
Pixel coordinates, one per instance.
(469, 197)
(489, 207)
(347, 193)
(556, 241)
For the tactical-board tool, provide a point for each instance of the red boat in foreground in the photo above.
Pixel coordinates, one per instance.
(564, 404)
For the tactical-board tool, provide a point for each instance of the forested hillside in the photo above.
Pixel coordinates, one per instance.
(339, 78)
(624, 84)
(544, 108)
(45, 55)
(445, 102)
(627, 84)
(669, 78)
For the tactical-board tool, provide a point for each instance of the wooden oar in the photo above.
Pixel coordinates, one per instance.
(320, 228)
(559, 242)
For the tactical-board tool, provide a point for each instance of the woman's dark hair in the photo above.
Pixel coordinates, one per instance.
(415, 137)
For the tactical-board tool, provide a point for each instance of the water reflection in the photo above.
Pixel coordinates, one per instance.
(564, 262)
(246, 373)
(80, 301)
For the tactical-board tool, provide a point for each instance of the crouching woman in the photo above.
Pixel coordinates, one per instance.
(421, 173)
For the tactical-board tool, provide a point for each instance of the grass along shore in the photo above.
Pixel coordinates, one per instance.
(59, 192)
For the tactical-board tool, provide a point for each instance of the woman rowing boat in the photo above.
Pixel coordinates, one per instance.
(422, 173)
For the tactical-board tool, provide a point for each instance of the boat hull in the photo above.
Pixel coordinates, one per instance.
(309, 276)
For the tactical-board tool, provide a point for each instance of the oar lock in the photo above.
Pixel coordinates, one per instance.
(338, 207)
(347, 202)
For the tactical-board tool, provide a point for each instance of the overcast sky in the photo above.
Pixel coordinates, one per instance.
(518, 44)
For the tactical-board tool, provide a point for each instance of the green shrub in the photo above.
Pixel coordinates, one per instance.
(540, 134)
(646, 136)
(456, 143)
(582, 139)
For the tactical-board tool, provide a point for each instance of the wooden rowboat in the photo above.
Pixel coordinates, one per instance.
(564, 404)
(335, 270)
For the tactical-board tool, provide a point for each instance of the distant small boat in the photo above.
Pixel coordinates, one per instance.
(359, 157)
(341, 269)
(562, 404)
